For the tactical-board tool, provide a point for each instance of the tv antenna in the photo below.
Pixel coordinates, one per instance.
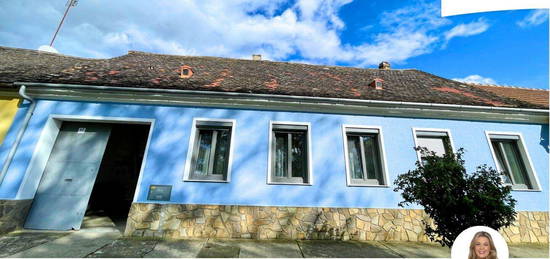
(69, 4)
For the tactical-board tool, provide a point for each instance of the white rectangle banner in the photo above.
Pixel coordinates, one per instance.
(456, 7)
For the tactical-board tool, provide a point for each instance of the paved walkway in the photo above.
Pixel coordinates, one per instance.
(107, 242)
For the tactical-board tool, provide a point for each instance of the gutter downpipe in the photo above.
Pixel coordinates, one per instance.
(20, 133)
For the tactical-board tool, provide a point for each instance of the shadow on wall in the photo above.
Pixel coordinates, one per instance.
(544, 137)
(13, 178)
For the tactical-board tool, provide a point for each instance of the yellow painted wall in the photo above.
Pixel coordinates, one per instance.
(8, 108)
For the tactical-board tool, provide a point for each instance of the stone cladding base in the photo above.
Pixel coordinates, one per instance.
(256, 222)
(13, 214)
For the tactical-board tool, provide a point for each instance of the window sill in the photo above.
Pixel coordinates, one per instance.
(526, 190)
(368, 185)
(519, 189)
(207, 181)
(282, 183)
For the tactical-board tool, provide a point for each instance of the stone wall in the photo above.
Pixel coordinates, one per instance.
(13, 214)
(224, 221)
(530, 227)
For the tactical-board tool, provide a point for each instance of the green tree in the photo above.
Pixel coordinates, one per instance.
(454, 199)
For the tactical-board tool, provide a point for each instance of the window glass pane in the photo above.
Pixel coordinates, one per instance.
(500, 160)
(299, 150)
(222, 152)
(354, 151)
(372, 158)
(204, 148)
(435, 144)
(281, 154)
(517, 167)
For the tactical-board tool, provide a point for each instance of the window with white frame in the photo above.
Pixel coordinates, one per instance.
(511, 159)
(211, 150)
(435, 141)
(289, 153)
(364, 161)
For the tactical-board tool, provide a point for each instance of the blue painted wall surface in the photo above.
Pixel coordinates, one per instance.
(168, 151)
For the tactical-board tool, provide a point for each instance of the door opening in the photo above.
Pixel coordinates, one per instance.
(114, 188)
(67, 180)
(90, 177)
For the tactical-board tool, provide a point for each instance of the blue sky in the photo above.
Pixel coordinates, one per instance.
(506, 48)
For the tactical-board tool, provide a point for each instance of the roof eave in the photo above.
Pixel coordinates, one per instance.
(282, 102)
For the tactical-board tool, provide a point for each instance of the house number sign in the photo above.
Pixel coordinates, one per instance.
(159, 192)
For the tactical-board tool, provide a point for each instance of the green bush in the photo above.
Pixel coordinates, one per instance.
(454, 199)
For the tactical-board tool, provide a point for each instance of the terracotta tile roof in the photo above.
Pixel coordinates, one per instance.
(534, 96)
(147, 70)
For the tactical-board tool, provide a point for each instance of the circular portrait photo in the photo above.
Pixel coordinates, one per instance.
(479, 242)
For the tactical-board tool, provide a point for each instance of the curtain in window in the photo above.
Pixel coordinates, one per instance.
(435, 144)
(222, 152)
(371, 156)
(281, 154)
(299, 166)
(354, 151)
(203, 157)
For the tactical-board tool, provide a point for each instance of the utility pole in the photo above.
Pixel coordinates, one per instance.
(70, 3)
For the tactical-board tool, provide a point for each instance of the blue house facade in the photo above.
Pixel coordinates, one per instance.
(223, 160)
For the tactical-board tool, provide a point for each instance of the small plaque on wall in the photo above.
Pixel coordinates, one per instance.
(159, 192)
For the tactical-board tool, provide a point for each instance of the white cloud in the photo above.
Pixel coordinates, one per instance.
(468, 29)
(476, 79)
(308, 30)
(308, 8)
(534, 18)
(410, 31)
(325, 11)
(406, 32)
(420, 16)
(395, 47)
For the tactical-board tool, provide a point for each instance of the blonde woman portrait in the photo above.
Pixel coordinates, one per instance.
(482, 247)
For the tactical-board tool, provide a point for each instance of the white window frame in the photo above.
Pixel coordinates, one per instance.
(309, 144)
(381, 151)
(531, 173)
(191, 146)
(448, 131)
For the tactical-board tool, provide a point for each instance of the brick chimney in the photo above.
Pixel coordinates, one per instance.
(385, 65)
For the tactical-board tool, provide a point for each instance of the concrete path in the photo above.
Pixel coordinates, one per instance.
(107, 242)
(77, 244)
(418, 250)
(176, 249)
(529, 250)
(349, 249)
(21, 241)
